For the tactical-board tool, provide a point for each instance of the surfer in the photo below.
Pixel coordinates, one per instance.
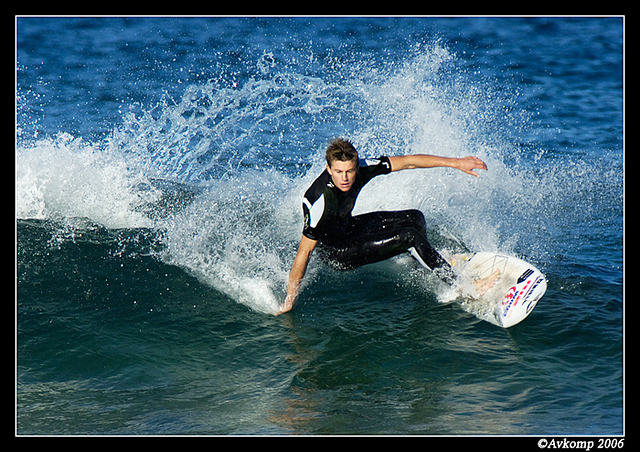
(347, 241)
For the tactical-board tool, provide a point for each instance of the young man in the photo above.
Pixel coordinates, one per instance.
(348, 242)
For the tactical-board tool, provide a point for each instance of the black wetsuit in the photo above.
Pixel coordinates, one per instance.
(348, 241)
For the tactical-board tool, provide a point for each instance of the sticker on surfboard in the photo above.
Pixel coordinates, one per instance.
(513, 296)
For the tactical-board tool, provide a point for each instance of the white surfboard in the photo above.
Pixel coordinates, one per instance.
(514, 295)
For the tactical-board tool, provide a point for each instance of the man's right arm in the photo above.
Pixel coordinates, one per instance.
(298, 269)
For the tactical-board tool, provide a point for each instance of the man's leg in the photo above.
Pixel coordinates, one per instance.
(383, 235)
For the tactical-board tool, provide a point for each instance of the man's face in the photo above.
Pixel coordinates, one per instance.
(343, 174)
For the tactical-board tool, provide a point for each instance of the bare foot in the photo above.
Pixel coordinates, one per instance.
(484, 284)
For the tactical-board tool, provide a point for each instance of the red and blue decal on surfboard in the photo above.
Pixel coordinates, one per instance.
(525, 284)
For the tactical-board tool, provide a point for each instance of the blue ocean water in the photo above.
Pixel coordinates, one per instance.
(160, 164)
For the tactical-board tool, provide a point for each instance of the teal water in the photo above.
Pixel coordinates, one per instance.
(159, 169)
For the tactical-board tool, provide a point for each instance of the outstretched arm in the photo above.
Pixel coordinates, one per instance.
(466, 164)
(298, 269)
